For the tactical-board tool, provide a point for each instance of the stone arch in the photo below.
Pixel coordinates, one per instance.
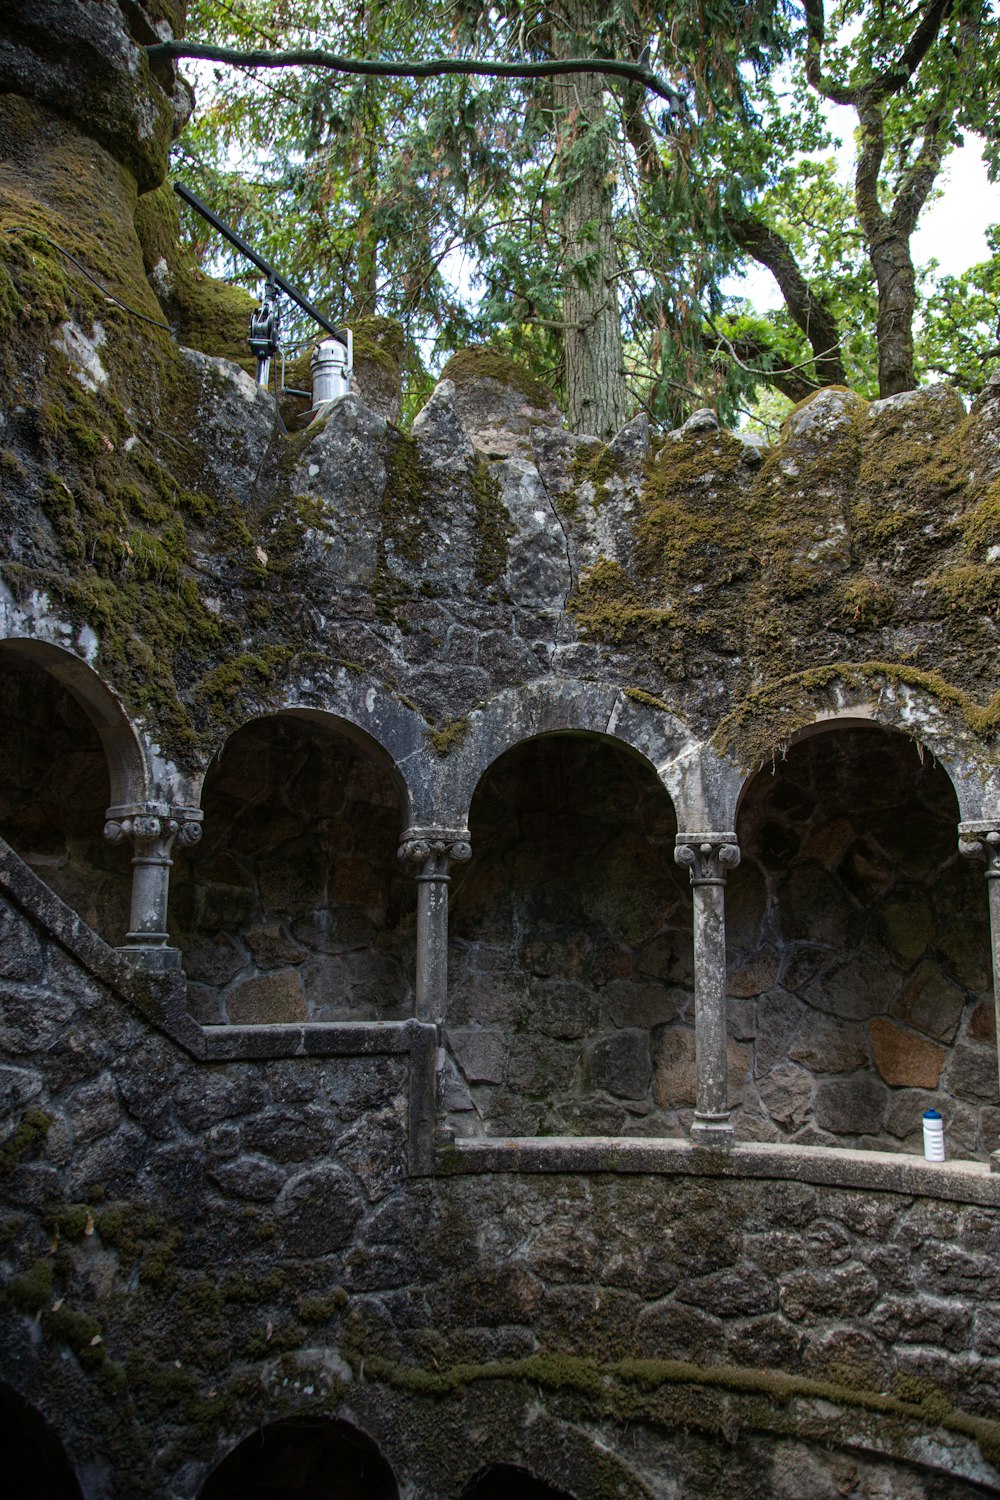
(67, 751)
(303, 1458)
(293, 905)
(511, 1482)
(367, 711)
(860, 971)
(554, 705)
(127, 770)
(570, 1006)
(35, 1465)
(914, 713)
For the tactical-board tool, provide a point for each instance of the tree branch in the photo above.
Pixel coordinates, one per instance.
(815, 38)
(919, 180)
(917, 47)
(871, 132)
(818, 324)
(434, 67)
(791, 384)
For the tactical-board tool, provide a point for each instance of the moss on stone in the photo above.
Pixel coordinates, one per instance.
(449, 736)
(32, 1289)
(209, 315)
(379, 340)
(594, 465)
(24, 1139)
(674, 1393)
(764, 721)
(649, 700)
(483, 362)
(494, 527)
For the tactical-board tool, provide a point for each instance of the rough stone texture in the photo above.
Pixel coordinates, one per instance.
(325, 636)
(571, 923)
(262, 1226)
(903, 1058)
(850, 893)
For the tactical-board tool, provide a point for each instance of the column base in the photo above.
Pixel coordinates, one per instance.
(713, 1131)
(995, 1161)
(156, 958)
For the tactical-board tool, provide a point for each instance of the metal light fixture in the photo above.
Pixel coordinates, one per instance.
(333, 359)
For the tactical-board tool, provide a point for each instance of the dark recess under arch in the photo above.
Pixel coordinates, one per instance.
(303, 1458)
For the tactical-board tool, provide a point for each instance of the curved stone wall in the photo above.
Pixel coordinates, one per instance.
(519, 666)
(206, 1231)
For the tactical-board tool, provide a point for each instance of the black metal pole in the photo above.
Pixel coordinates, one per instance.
(241, 245)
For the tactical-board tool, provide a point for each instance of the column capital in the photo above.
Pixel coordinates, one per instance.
(440, 847)
(708, 856)
(153, 823)
(981, 840)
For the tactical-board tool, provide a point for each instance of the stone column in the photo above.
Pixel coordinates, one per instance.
(709, 856)
(151, 828)
(433, 851)
(982, 841)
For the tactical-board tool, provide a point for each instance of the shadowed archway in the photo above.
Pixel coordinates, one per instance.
(511, 1482)
(35, 1466)
(303, 1458)
(570, 1008)
(860, 981)
(66, 753)
(294, 905)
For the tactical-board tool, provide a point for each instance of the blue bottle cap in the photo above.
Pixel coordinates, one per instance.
(931, 1114)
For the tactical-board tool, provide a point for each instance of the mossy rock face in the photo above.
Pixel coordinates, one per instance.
(81, 60)
(110, 487)
(498, 403)
(485, 363)
(856, 553)
(208, 315)
(378, 359)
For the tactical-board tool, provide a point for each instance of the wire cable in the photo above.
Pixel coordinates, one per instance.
(27, 229)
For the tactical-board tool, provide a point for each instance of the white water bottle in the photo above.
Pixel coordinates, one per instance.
(933, 1135)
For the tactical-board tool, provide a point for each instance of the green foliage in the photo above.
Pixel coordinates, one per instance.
(443, 203)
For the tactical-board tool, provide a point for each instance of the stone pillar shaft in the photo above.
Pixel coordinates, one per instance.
(981, 840)
(151, 828)
(433, 851)
(708, 857)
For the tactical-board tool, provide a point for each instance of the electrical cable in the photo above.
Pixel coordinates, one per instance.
(27, 229)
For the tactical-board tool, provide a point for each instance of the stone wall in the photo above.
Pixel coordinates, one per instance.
(294, 904)
(194, 1250)
(861, 982)
(570, 1004)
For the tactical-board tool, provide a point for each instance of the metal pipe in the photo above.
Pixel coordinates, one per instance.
(340, 334)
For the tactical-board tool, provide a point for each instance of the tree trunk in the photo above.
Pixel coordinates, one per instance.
(894, 276)
(592, 341)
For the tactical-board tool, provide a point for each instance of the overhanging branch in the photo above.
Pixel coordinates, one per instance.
(434, 67)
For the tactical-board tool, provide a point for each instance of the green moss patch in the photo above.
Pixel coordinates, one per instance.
(482, 362)
(24, 1140)
(449, 736)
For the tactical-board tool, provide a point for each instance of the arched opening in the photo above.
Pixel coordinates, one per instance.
(56, 784)
(294, 905)
(303, 1458)
(511, 1482)
(860, 980)
(570, 990)
(35, 1466)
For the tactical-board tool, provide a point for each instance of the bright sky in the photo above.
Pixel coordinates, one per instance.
(951, 230)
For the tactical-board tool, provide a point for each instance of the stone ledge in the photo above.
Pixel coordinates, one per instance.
(314, 1039)
(873, 1171)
